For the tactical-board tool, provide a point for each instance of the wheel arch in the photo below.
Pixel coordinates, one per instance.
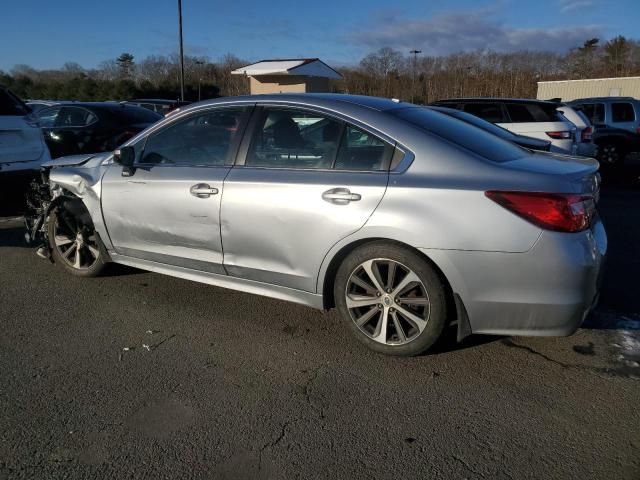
(69, 200)
(328, 279)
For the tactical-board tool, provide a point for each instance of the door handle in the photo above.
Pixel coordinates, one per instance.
(340, 196)
(202, 190)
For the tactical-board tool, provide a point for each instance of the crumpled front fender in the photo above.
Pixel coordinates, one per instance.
(82, 177)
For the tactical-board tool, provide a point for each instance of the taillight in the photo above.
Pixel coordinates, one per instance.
(562, 212)
(587, 135)
(564, 135)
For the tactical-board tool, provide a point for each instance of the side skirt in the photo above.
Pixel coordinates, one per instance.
(249, 286)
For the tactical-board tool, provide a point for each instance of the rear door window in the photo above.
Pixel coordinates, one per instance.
(288, 138)
(360, 150)
(491, 112)
(622, 112)
(594, 112)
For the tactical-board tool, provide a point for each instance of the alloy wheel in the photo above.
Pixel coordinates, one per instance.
(610, 154)
(75, 243)
(387, 301)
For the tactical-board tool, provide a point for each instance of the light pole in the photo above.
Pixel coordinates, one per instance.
(199, 62)
(413, 72)
(181, 51)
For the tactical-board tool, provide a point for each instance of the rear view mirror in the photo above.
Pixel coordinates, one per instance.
(125, 156)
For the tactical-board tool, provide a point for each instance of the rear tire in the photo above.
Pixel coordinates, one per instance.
(391, 298)
(610, 153)
(74, 245)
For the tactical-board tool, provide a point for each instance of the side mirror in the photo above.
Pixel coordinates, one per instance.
(125, 156)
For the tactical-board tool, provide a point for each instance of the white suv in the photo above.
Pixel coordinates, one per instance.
(533, 118)
(22, 145)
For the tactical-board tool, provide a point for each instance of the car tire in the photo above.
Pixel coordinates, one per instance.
(81, 255)
(422, 297)
(610, 153)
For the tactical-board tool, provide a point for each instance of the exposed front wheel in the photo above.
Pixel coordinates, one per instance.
(391, 298)
(74, 244)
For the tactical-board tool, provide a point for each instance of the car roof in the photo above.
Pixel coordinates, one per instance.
(162, 101)
(496, 100)
(327, 99)
(605, 99)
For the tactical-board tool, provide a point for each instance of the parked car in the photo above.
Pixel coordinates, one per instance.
(613, 144)
(523, 141)
(533, 118)
(22, 145)
(163, 107)
(612, 114)
(22, 152)
(403, 218)
(584, 130)
(90, 127)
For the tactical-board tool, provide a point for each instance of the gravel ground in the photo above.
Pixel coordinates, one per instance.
(138, 375)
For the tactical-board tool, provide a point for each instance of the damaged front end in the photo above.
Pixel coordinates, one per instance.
(69, 184)
(38, 200)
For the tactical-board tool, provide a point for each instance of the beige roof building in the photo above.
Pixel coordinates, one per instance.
(293, 75)
(594, 87)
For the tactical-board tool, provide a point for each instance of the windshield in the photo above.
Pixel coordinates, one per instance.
(467, 136)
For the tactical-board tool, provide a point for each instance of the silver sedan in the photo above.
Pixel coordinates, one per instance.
(404, 219)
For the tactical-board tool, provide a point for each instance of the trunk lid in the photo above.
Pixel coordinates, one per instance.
(581, 172)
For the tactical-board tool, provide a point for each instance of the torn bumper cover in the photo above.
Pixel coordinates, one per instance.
(70, 180)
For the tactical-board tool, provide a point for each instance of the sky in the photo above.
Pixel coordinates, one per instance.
(46, 34)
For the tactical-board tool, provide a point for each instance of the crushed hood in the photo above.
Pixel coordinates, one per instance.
(88, 160)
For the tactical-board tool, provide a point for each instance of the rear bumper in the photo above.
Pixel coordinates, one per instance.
(6, 167)
(547, 291)
(566, 147)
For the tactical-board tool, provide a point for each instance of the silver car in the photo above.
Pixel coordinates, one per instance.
(404, 219)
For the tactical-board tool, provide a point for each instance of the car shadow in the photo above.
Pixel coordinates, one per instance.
(448, 342)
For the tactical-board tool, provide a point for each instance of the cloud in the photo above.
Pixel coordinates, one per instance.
(456, 32)
(568, 5)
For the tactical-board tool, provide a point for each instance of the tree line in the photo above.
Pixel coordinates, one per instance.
(386, 72)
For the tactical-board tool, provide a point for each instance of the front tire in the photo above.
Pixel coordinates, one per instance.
(391, 298)
(74, 244)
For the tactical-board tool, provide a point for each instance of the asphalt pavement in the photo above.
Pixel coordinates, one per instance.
(139, 375)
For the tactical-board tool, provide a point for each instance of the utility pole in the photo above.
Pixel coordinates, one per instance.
(181, 51)
(413, 73)
(199, 63)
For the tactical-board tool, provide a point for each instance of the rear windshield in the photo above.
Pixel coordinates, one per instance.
(132, 115)
(461, 133)
(11, 105)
